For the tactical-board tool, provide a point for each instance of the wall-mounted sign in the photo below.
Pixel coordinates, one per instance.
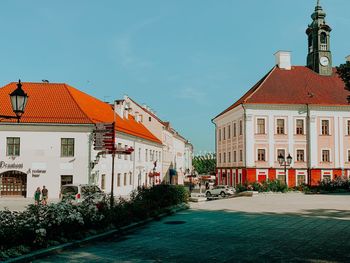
(38, 172)
(4, 165)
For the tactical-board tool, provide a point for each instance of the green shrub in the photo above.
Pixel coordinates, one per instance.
(41, 226)
(266, 186)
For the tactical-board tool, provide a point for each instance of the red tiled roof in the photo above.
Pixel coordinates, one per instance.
(63, 104)
(300, 85)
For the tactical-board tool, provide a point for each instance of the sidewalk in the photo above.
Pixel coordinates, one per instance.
(18, 203)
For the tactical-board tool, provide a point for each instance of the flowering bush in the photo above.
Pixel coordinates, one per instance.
(41, 226)
(267, 186)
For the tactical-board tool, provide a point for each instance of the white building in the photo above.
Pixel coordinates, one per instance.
(177, 151)
(53, 143)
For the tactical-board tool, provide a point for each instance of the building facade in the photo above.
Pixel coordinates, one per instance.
(301, 111)
(53, 144)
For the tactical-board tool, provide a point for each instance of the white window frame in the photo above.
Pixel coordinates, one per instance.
(257, 154)
(330, 155)
(348, 156)
(276, 152)
(285, 125)
(295, 126)
(296, 155)
(329, 126)
(257, 126)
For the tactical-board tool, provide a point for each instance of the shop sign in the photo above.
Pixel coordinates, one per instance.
(4, 165)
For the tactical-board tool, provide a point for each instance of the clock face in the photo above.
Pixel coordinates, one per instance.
(324, 61)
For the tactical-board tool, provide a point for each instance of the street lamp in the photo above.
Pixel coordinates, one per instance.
(283, 162)
(18, 101)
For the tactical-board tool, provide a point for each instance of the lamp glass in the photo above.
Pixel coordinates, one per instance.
(289, 159)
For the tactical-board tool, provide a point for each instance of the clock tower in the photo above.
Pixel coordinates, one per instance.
(319, 57)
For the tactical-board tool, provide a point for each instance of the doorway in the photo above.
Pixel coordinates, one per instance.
(13, 183)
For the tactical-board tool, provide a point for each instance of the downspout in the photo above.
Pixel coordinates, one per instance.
(244, 138)
(216, 153)
(89, 158)
(308, 146)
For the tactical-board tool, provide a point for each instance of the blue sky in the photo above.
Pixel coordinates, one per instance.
(187, 59)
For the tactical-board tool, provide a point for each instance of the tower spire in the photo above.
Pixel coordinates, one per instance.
(319, 57)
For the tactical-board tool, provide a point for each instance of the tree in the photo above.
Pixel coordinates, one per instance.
(205, 164)
(344, 72)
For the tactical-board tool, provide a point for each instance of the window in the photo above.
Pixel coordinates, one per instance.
(261, 155)
(224, 157)
(103, 181)
(280, 126)
(229, 157)
(234, 156)
(124, 179)
(282, 152)
(325, 156)
(67, 147)
(323, 38)
(300, 179)
(130, 178)
(119, 147)
(66, 179)
(349, 156)
(146, 155)
(219, 157)
(229, 132)
(118, 179)
(348, 127)
(219, 135)
(300, 127)
(13, 145)
(325, 127)
(149, 119)
(234, 130)
(240, 128)
(224, 131)
(281, 177)
(261, 126)
(240, 155)
(300, 155)
(139, 154)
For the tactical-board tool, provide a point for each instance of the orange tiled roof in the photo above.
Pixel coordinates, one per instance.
(63, 104)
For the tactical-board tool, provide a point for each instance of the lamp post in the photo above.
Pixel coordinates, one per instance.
(285, 162)
(18, 101)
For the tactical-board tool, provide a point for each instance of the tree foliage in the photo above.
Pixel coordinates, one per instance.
(344, 72)
(205, 164)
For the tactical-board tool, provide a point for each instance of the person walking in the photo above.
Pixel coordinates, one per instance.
(37, 196)
(44, 194)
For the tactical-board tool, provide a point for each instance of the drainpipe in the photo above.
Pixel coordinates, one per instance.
(216, 152)
(89, 157)
(245, 138)
(308, 146)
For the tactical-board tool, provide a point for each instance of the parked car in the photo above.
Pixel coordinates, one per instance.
(76, 193)
(221, 190)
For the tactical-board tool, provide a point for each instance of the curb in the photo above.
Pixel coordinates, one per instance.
(52, 250)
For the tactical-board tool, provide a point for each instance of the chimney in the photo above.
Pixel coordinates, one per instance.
(119, 108)
(348, 58)
(283, 60)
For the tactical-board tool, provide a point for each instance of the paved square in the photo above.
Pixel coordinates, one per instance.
(263, 228)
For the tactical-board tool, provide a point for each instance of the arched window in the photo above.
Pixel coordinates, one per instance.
(310, 43)
(323, 38)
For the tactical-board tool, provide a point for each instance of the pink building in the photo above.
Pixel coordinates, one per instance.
(298, 110)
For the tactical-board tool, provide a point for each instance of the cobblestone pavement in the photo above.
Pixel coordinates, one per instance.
(264, 228)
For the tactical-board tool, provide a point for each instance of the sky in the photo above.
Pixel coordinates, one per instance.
(186, 59)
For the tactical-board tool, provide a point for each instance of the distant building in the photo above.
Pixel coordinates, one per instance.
(177, 151)
(298, 110)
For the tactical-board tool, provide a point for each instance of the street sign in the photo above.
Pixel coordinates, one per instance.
(104, 136)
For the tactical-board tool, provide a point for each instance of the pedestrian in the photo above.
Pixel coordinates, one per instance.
(44, 194)
(207, 185)
(37, 196)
